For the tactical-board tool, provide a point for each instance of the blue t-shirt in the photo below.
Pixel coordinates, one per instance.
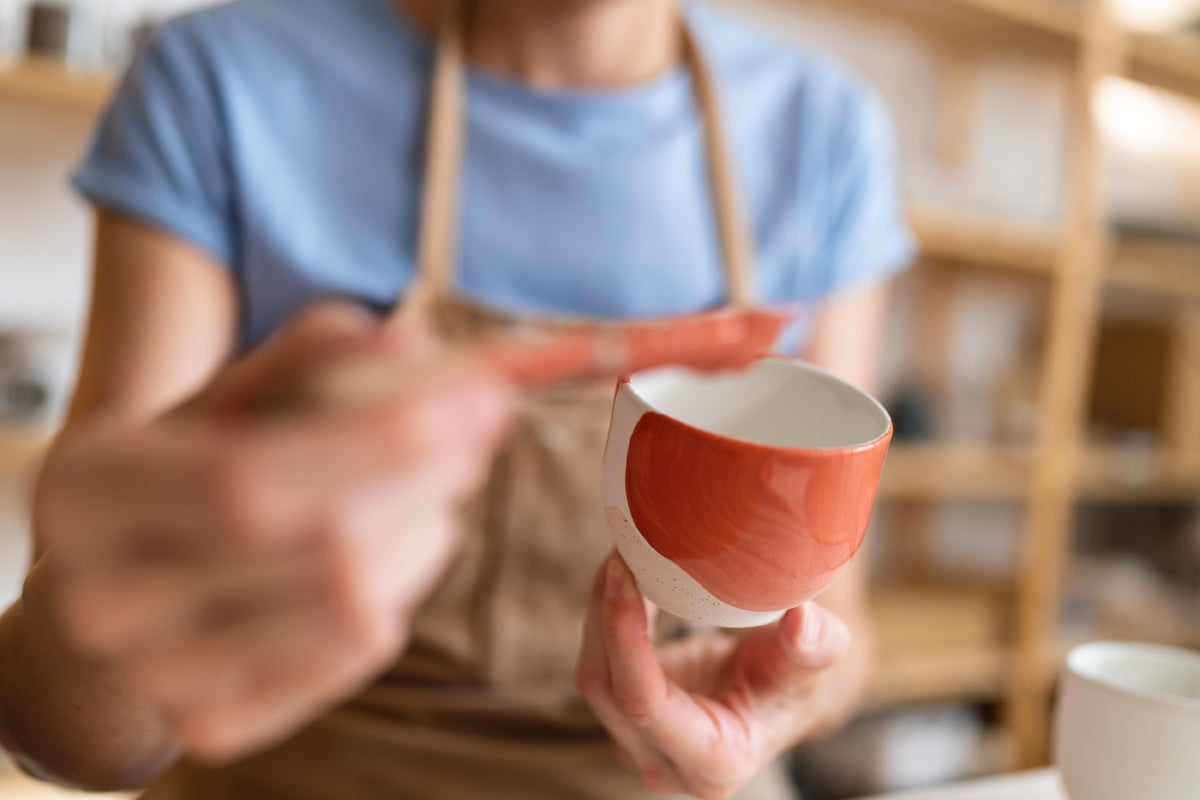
(286, 139)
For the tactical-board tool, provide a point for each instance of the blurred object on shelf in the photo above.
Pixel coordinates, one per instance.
(72, 32)
(912, 414)
(900, 750)
(24, 385)
(1129, 385)
(34, 378)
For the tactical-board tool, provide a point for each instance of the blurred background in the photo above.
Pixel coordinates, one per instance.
(1044, 364)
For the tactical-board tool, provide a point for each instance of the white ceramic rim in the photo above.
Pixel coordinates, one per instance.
(1080, 665)
(802, 366)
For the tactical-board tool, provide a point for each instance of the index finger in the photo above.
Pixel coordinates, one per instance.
(686, 729)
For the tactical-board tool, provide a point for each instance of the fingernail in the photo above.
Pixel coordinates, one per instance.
(614, 584)
(812, 629)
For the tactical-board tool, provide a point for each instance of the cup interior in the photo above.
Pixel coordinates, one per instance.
(1165, 674)
(774, 402)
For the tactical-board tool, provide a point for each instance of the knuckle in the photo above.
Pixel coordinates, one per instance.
(360, 611)
(617, 629)
(589, 683)
(233, 496)
(336, 531)
(658, 779)
(373, 637)
(636, 708)
(329, 318)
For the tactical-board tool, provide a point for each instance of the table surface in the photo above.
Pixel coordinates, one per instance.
(1042, 785)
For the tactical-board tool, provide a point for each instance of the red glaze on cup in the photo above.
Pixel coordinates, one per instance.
(735, 496)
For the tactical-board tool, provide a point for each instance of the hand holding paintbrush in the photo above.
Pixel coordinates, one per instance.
(717, 340)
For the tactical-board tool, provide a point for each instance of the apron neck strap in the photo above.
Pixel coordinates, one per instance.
(437, 234)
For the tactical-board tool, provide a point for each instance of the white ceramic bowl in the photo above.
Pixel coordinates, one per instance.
(1128, 723)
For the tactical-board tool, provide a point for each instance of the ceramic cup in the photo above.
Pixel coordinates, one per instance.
(1128, 723)
(734, 496)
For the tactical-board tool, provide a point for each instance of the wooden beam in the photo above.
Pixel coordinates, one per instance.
(1168, 61)
(1183, 397)
(1065, 374)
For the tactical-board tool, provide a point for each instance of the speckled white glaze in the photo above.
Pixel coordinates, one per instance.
(658, 578)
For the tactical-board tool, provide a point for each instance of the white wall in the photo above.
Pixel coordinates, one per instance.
(1018, 121)
(43, 228)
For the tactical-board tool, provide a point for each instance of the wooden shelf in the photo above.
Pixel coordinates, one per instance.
(1157, 264)
(1054, 17)
(966, 472)
(995, 243)
(981, 473)
(1047, 19)
(20, 448)
(1168, 61)
(938, 642)
(51, 81)
(1125, 474)
(930, 676)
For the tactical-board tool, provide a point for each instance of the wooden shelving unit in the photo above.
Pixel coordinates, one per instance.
(1077, 260)
(50, 81)
(945, 642)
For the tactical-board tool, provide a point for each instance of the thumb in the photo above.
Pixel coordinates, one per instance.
(812, 637)
(783, 657)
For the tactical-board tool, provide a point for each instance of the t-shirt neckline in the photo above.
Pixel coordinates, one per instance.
(637, 99)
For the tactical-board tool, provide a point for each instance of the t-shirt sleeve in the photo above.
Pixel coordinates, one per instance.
(865, 237)
(160, 154)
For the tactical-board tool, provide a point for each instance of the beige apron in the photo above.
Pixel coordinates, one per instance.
(483, 703)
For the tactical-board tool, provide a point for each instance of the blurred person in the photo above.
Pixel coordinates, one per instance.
(401, 598)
